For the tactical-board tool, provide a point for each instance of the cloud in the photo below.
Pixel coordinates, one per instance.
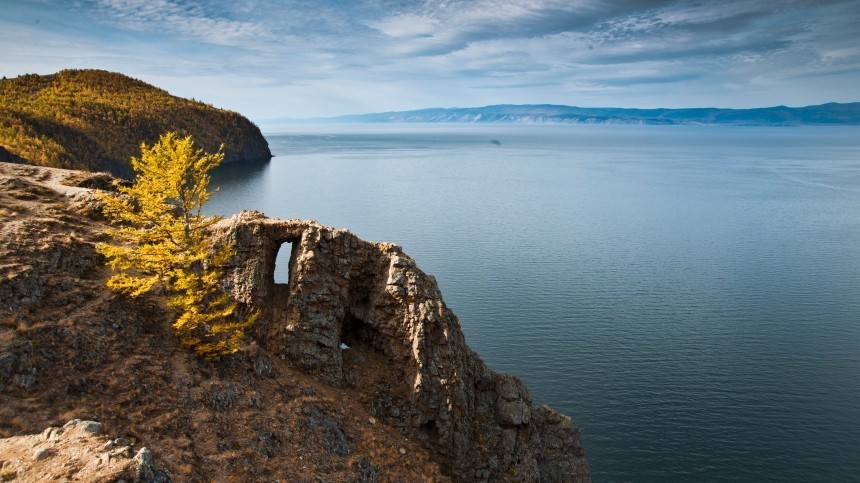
(300, 58)
(406, 26)
(651, 78)
(185, 19)
(448, 27)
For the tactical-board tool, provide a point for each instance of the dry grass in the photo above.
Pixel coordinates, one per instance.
(102, 357)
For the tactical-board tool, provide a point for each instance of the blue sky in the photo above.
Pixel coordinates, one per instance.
(272, 58)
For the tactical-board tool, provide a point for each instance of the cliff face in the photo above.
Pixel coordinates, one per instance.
(361, 315)
(95, 120)
(357, 370)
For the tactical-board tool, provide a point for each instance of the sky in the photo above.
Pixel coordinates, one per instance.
(313, 58)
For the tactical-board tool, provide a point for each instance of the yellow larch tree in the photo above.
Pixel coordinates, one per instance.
(160, 241)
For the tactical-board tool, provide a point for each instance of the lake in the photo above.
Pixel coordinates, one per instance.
(690, 296)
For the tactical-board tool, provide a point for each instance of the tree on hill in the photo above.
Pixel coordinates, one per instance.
(94, 120)
(160, 243)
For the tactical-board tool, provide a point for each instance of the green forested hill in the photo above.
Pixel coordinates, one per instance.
(95, 120)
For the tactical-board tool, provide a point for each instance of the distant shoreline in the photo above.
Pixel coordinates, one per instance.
(339, 128)
(831, 114)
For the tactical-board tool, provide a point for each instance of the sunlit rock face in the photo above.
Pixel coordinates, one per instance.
(362, 315)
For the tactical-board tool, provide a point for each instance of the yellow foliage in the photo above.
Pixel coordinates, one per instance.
(93, 120)
(161, 243)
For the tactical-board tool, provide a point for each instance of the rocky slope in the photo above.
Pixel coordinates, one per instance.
(76, 451)
(357, 370)
(95, 120)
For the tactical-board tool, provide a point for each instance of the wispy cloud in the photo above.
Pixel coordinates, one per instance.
(189, 20)
(454, 25)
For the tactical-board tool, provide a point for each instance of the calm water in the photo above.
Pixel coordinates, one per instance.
(689, 295)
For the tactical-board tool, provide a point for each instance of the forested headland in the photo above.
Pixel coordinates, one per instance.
(96, 120)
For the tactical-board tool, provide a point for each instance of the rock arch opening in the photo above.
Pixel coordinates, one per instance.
(284, 261)
(352, 332)
(429, 431)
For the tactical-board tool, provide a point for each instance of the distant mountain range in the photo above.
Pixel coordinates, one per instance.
(826, 114)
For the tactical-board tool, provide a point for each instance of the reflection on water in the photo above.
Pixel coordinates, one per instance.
(240, 176)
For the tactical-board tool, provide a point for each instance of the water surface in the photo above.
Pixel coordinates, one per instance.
(689, 295)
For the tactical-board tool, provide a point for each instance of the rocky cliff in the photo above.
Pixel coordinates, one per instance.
(357, 370)
(361, 315)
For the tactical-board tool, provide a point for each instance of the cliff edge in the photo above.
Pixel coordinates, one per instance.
(356, 371)
(363, 316)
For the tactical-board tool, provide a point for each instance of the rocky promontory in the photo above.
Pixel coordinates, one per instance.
(355, 371)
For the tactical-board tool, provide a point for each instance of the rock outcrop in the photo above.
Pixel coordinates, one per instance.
(77, 451)
(362, 315)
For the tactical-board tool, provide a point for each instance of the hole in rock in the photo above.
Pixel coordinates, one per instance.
(283, 261)
(430, 430)
(281, 279)
(352, 330)
(364, 367)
